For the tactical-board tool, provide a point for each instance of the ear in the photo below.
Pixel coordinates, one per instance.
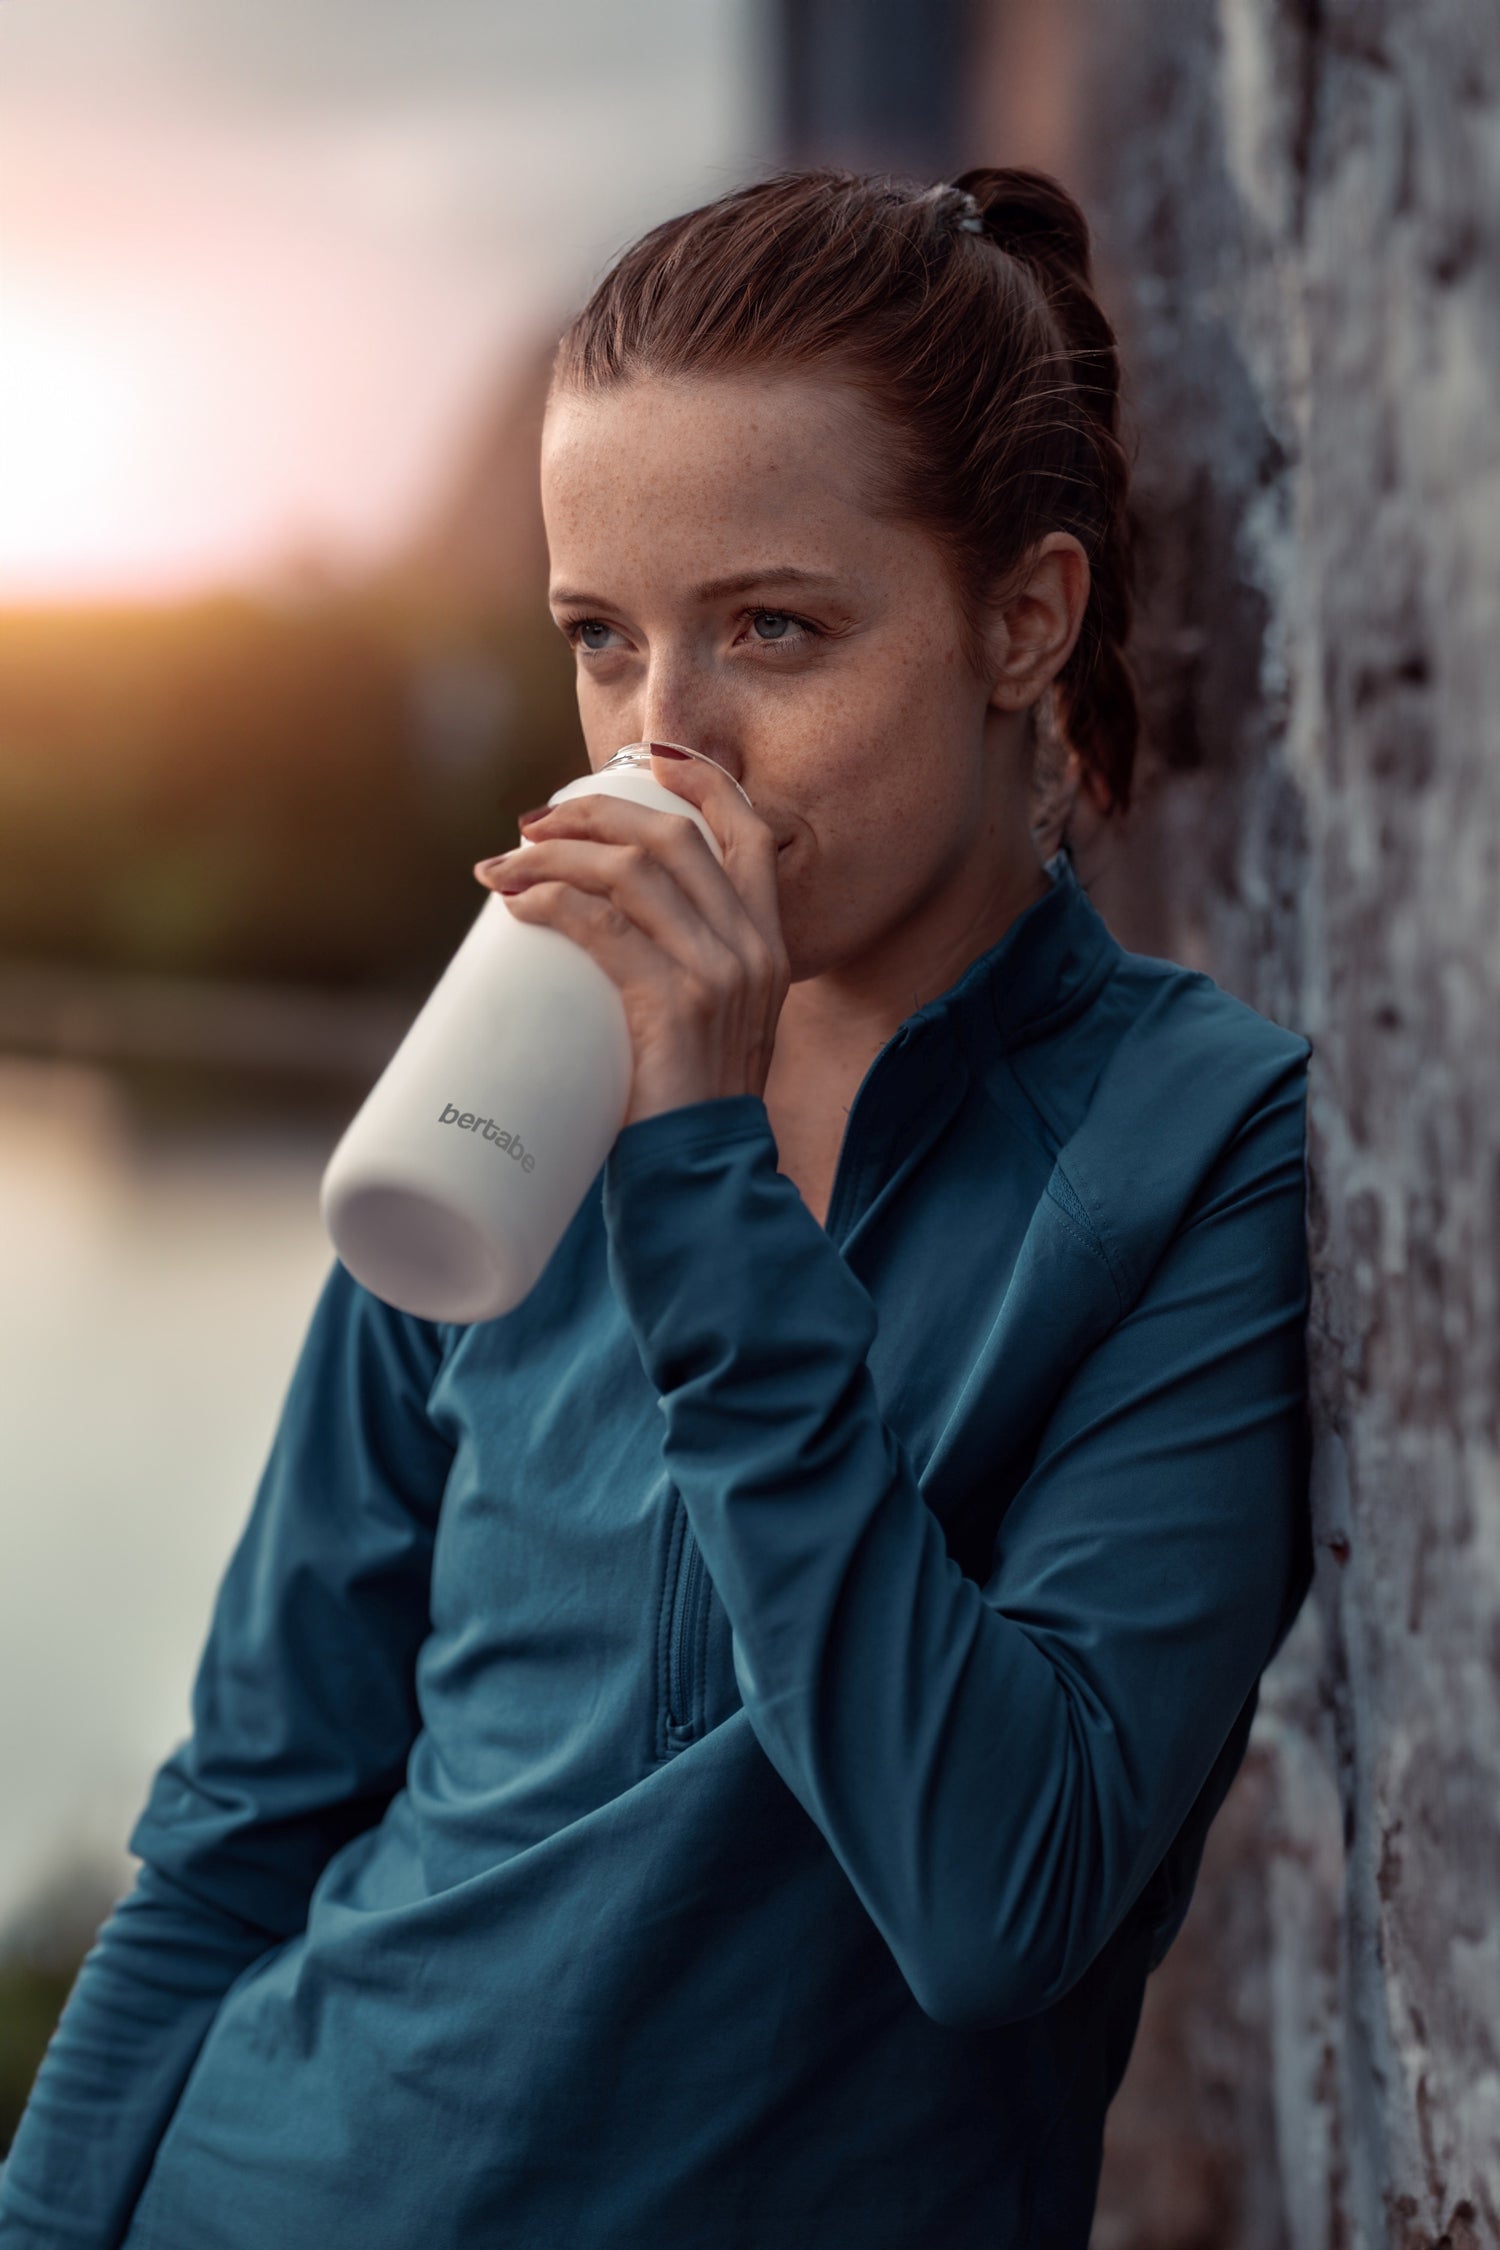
(1034, 625)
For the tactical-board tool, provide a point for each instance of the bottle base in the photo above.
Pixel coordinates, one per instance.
(413, 1252)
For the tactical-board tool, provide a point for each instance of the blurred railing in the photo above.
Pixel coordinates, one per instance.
(124, 1016)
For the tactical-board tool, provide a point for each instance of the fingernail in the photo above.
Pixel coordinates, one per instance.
(535, 813)
(669, 750)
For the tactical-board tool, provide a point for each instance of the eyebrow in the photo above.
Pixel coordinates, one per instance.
(715, 589)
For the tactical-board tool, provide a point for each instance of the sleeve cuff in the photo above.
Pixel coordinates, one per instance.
(659, 1139)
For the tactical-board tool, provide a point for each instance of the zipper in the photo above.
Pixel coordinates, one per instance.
(686, 1653)
(686, 1634)
(842, 1191)
(850, 1170)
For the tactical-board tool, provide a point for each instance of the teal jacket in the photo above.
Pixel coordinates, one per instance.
(711, 1756)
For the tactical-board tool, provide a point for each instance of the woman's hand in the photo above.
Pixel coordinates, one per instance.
(695, 948)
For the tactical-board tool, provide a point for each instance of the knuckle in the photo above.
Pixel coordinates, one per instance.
(769, 967)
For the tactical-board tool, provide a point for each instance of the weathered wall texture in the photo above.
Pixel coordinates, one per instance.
(1297, 204)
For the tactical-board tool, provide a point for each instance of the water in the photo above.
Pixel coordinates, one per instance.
(158, 1278)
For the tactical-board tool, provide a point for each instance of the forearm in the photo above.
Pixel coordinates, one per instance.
(929, 1738)
(998, 1769)
(137, 2014)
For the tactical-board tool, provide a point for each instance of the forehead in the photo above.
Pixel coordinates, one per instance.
(748, 454)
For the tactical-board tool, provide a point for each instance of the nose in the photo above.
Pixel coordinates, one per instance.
(695, 724)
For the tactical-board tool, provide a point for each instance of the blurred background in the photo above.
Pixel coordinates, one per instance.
(278, 290)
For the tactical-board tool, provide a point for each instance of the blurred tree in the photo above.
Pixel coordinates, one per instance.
(233, 788)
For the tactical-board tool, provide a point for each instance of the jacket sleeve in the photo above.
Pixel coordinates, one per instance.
(999, 1769)
(303, 1711)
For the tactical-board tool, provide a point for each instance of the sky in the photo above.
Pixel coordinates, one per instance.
(260, 260)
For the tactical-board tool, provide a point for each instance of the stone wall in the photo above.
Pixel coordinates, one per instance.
(1297, 207)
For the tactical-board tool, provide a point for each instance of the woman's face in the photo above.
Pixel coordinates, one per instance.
(724, 586)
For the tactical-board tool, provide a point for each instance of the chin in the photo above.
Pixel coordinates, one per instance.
(814, 943)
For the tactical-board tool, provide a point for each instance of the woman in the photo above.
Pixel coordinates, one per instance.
(711, 1756)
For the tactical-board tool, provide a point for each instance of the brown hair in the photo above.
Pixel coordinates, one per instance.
(998, 374)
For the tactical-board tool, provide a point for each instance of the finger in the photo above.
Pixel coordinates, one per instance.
(630, 955)
(743, 836)
(676, 844)
(645, 892)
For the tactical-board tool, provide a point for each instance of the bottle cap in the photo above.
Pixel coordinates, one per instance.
(639, 754)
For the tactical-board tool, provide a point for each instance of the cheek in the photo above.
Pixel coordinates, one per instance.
(860, 757)
(905, 695)
(887, 701)
(869, 828)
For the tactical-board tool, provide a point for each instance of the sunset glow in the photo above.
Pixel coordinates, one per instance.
(76, 408)
(196, 418)
(257, 283)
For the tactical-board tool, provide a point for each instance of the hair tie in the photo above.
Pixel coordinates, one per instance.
(972, 220)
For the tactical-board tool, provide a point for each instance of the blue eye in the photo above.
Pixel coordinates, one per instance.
(799, 636)
(787, 631)
(574, 629)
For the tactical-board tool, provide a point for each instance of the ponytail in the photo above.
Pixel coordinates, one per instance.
(1034, 220)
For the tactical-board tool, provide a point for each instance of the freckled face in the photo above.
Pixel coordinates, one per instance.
(840, 702)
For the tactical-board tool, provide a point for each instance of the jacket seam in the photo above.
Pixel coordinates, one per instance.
(1086, 1236)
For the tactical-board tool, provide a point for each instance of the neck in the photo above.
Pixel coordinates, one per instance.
(838, 1020)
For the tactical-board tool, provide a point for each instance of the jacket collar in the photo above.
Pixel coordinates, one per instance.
(1044, 969)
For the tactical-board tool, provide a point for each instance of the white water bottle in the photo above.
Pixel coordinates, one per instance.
(468, 1159)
